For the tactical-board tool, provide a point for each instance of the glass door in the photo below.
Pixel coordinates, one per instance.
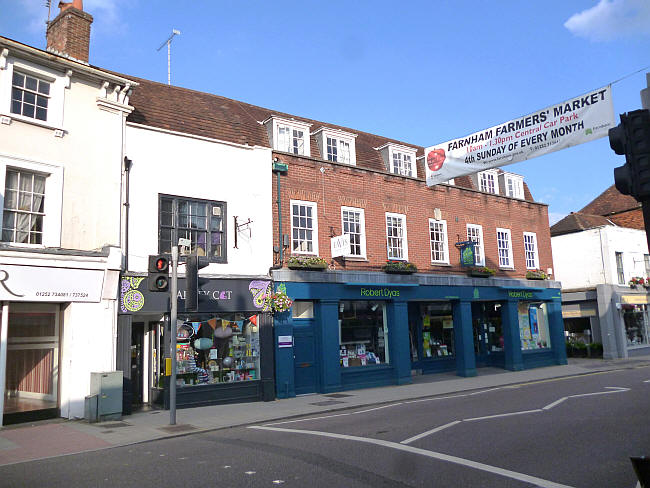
(32, 378)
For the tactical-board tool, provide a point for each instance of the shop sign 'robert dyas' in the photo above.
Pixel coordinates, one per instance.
(580, 119)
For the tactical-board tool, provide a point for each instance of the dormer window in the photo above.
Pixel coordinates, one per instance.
(336, 145)
(488, 181)
(513, 185)
(288, 135)
(399, 160)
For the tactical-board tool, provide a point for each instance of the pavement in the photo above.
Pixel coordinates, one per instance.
(59, 437)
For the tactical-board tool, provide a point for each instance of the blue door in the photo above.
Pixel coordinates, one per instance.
(305, 359)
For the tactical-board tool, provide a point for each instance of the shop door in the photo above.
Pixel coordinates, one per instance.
(305, 358)
(137, 370)
(487, 331)
(32, 373)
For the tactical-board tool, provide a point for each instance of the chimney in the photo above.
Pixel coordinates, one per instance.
(69, 33)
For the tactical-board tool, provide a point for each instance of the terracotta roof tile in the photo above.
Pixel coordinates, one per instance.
(610, 201)
(204, 114)
(576, 222)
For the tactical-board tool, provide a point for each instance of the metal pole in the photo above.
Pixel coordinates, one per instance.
(173, 331)
(169, 61)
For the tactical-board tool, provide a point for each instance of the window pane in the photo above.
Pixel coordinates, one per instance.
(216, 223)
(41, 114)
(28, 110)
(44, 87)
(11, 199)
(31, 83)
(18, 79)
(29, 98)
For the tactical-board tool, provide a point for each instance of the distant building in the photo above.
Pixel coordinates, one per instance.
(597, 252)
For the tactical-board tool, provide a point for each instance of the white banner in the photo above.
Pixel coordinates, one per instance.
(581, 119)
(42, 284)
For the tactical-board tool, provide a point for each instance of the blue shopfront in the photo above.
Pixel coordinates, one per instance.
(349, 330)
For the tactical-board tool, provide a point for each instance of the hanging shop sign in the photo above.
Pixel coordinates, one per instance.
(467, 253)
(341, 246)
(572, 122)
(216, 295)
(44, 284)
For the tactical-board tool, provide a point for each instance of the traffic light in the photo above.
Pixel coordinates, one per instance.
(632, 139)
(158, 273)
(192, 281)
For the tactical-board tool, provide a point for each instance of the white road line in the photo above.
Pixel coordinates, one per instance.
(432, 431)
(335, 415)
(485, 391)
(503, 415)
(542, 483)
(554, 404)
(436, 398)
(647, 381)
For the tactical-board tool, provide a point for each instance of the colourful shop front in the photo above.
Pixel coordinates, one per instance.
(224, 350)
(349, 330)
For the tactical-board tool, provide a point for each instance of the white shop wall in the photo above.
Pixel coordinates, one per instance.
(588, 258)
(178, 165)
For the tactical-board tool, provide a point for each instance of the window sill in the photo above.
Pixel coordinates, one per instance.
(445, 265)
(8, 119)
(358, 259)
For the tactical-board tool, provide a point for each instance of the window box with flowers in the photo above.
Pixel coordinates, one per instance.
(399, 267)
(536, 274)
(277, 301)
(638, 280)
(313, 263)
(481, 272)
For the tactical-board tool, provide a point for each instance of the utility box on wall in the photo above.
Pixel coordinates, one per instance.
(107, 386)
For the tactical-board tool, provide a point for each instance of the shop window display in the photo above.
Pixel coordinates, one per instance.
(363, 333)
(634, 318)
(437, 330)
(222, 349)
(533, 325)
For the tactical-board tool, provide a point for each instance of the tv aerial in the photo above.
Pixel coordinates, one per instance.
(175, 32)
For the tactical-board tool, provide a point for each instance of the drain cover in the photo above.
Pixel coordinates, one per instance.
(112, 425)
(326, 402)
(338, 395)
(177, 428)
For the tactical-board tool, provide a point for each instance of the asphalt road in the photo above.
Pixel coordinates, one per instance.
(578, 432)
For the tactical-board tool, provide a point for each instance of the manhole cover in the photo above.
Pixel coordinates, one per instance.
(113, 425)
(338, 395)
(177, 428)
(326, 402)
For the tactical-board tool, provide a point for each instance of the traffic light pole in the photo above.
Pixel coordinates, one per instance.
(173, 331)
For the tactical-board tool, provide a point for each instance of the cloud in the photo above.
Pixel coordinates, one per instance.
(611, 19)
(107, 14)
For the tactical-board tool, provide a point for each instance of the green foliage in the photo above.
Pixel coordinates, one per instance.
(399, 267)
(536, 274)
(313, 262)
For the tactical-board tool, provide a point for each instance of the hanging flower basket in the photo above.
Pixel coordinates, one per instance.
(637, 280)
(312, 263)
(399, 267)
(481, 272)
(536, 274)
(277, 302)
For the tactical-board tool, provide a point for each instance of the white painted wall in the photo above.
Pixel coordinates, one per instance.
(587, 258)
(86, 161)
(190, 167)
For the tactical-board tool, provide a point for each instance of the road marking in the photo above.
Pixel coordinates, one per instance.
(335, 415)
(432, 431)
(502, 415)
(542, 483)
(647, 381)
(554, 404)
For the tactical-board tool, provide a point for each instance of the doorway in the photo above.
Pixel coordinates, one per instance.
(306, 371)
(488, 333)
(32, 372)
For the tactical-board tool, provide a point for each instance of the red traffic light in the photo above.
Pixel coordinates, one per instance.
(161, 264)
(158, 264)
